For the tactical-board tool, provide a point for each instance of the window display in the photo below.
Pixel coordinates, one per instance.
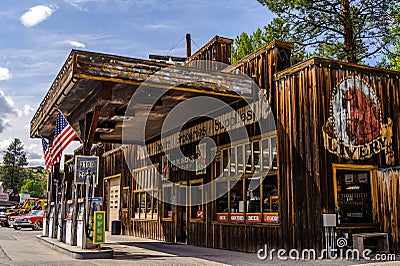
(354, 196)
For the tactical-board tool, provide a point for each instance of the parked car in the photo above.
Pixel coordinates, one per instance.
(29, 204)
(34, 220)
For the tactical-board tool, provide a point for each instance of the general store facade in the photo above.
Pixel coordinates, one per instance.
(332, 147)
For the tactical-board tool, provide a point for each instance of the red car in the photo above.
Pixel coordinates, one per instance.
(33, 219)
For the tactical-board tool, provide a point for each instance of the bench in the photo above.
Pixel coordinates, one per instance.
(382, 241)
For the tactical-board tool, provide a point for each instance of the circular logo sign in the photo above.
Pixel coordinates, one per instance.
(356, 113)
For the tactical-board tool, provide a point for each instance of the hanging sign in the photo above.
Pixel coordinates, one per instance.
(99, 235)
(85, 166)
(355, 129)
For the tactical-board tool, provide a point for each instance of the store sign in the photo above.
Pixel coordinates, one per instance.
(237, 217)
(222, 217)
(253, 217)
(355, 129)
(99, 235)
(245, 115)
(271, 217)
(86, 166)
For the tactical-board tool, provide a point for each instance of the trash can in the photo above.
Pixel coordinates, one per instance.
(116, 227)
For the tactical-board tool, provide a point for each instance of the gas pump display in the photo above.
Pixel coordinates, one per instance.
(69, 213)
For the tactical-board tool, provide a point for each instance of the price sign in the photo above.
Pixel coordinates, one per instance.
(85, 165)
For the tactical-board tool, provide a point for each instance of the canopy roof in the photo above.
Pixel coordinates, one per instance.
(101, 86)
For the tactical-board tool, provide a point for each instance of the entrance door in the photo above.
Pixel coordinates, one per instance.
(114, 199)
(181, 215)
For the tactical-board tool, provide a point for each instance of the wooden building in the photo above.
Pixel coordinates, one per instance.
(334, 149)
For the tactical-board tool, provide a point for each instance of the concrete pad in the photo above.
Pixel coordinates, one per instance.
(76, 252)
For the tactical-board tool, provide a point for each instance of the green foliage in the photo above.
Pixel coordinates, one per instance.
(392, 60)
(350, 30)
(14, 160)
(33, 187)
(276, 30)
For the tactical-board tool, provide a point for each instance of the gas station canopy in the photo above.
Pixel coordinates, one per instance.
(93, 91)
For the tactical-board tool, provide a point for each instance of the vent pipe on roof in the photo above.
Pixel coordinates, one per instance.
(188, 45)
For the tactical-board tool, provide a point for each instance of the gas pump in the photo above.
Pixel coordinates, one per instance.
(51, 220)
(59, 222)
(80, 223)
(69, 228)
(45, 231)
(86, 173)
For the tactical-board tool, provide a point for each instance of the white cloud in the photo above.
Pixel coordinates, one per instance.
(35, 15)
(76, 44)
(5, 73)
(6, 109)
(5, 143)
(26, 110)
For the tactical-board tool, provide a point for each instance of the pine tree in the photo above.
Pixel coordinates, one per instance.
(14, 160)
(348, 30)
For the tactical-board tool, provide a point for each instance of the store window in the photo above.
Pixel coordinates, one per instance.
(237, 202)
(225, 162)
(196, 200)
(145, 193)
(240, 163)
(233, 161)
(254, 197)
(270, 199)
(167, 198)
(125, 197)
(253, 201)
(266, 158)
(354, 199)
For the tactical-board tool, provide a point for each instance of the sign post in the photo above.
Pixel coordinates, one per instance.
(99, 227)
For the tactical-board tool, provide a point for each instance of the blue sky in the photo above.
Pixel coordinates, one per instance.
(37, 36)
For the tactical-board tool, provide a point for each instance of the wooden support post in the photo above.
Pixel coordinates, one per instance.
(188, 45)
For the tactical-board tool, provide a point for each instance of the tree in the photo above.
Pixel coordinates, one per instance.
(14, 161)
(392, 60)
(34, 188)
(350, 30)
(245, 44)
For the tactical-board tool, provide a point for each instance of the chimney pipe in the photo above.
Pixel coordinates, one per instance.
(188, 45)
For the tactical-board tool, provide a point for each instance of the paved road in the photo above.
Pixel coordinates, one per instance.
(21, 248)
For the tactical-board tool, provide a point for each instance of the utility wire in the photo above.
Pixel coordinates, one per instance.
(195, 43)
(167, 54)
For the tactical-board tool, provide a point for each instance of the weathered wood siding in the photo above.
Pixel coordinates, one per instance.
(114, 163)
(305, 166)
(388, 188)
(245, 237)
(263, 64)
(216, 50)
(154, 229)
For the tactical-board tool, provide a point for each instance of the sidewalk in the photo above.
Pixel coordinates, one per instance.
(129, 249)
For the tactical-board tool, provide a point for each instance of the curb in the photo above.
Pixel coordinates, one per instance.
(75, 252)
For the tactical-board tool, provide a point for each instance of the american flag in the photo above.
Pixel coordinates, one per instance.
(63, 135)
(47, 154)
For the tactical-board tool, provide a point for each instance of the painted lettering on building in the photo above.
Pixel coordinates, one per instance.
(355, 129)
